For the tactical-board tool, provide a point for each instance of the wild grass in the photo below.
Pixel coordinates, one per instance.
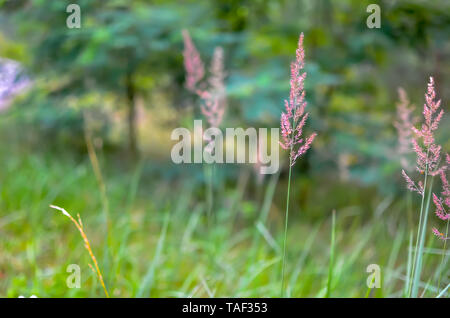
(332, 251)
(79, 226)
(154, 236)
(417, 265)
(161, 247)
(428, 162)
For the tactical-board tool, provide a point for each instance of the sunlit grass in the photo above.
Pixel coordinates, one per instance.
(160, 244)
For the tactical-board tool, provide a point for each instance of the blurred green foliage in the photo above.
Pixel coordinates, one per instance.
(124, 50)
(127, 56)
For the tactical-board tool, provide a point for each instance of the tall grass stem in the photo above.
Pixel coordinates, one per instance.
(419, 261)
(283, 263)
(87, 245)
(444, 250)
(332, 251)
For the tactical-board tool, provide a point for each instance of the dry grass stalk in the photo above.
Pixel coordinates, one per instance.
(79, 226)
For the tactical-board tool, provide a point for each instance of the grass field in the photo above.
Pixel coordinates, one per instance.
(152, 238)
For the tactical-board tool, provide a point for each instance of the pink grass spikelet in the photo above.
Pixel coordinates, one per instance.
(427, 163)
(411, 185)
(428, 154)
(442, 204)
(212, 91)
(440, 209)
(294, 118)
(292, 122)
(192, 63)
(403, 125)
(428, 157)
(439, 234)
(214, 100)
(445, 185)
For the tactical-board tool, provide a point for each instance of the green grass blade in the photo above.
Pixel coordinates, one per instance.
(419, 262)
(443, 291)
(332, 248)
(408, 265)
(147, 282)
(283, 262)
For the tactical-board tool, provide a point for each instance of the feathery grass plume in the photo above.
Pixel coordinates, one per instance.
(212, 91)
(214, 99)
(428, 155)
(403, 124)
(427, 162)
(87, 245)
(192, 63)
(411, 185)
(292, 123)
(293, 120)
(440, 235)
(442, 204)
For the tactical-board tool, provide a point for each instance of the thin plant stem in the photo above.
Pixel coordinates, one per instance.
(102, 187)
(418, 230)
(98, 175)
(443, 291)
(265, 208)
(261, 220)
(210, 193)
(238, 196)
(443, 256)
(268, 196)
(369, 289)
(409, 209)
(148, 280)
(418, 236)
(87, 245)
(408, 264)
(283, 263)
(332, 248)
(208, 173)
(418, 270)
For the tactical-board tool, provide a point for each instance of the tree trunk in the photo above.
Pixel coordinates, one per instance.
(132, 137)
